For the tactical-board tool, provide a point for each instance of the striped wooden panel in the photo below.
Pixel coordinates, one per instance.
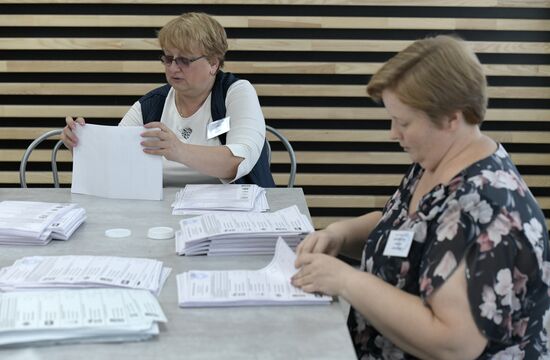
(448, 3)
(309, 61)
(293, 22)
(300, 45)
(261, 89)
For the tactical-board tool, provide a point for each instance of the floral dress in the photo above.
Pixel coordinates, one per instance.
(487, 216)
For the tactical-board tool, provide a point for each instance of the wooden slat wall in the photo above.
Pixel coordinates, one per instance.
(309, 61)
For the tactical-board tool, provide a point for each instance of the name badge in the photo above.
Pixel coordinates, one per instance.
(218, 127)
(399, 243)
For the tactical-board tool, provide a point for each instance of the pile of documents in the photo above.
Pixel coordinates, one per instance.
(204, 198)
(241, 233)
(75, 316)
(37, 223)
(72, 271)
(268, 286)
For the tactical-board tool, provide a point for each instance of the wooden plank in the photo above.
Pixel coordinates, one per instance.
(36, 155)
(441, 3)
(344, 157)
(34, 177)
(503, 47)
(78, 44)
(529, 137)
(511, 92)
(370, 201)
(241, 67)
(348, 179)
(14, 133)
(280, 178)
(321, 222)
(303, 157)
(379, 157)
(294, 22)
(76, 66)
(519, 92)
(323, 179)
(335, 113)
(375, 45)
(270, 112)
(76, 88)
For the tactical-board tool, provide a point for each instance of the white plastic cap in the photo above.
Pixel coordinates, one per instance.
(118, 233)
(160, 233)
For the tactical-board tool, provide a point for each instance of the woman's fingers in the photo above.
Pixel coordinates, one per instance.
(68, 136)
(310, 288)
(157, 134)
(305, 246)
(303, 260)
(320, 246)
(302, 281)
(157, 125)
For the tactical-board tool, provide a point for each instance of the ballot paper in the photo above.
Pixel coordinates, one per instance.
(70, 316)
(196, 199)
(236, 233)
(78, 271)
(268, 286)
(109, 162)
(37, 223)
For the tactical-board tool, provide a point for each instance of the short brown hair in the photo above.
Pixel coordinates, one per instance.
(195, 31)
(436, 75)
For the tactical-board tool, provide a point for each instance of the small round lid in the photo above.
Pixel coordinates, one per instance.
(160, 233)
(118, 233)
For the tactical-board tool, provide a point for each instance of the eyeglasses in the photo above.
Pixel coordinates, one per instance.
(182, 62)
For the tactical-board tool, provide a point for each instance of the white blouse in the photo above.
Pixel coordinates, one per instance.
(245, 138)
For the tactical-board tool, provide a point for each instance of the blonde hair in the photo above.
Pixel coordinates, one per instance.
(193, 31)
(438, 76)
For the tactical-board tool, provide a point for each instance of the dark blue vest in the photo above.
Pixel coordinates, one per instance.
(152, 105)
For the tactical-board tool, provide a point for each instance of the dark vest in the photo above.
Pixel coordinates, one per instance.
(152, 105)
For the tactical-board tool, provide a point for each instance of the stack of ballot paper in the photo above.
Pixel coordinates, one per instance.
(241, 233)
(204, 198)
(268, 286)
(37, 223)
(75, 316)
(73, 271)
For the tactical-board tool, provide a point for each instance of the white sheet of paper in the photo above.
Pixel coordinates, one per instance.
(109, 162)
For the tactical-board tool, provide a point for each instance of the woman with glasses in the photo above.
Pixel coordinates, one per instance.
(457, 265)
(207, 124)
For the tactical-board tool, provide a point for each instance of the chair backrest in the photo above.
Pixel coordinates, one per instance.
(291, 154)
(31, 147)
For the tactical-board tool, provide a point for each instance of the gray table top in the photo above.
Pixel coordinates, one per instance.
(278, 332)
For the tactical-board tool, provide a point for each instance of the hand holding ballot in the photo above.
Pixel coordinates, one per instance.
(160, 140)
